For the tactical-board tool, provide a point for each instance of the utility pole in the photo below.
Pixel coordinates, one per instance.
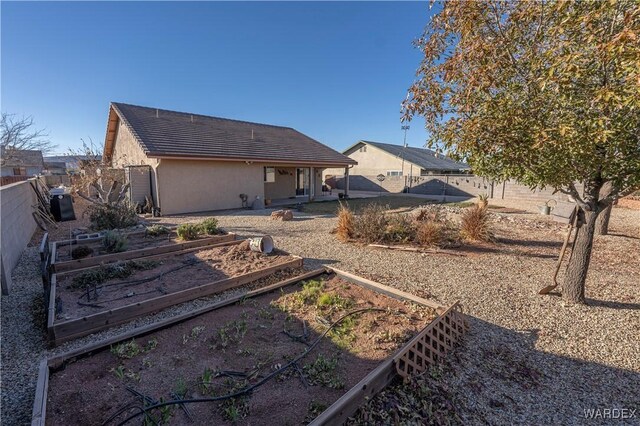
(404, 145)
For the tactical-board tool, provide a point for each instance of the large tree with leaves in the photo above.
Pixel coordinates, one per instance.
(544, 92)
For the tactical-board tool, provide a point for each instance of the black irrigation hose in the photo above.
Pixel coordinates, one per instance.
(257, 384)
(95, 305)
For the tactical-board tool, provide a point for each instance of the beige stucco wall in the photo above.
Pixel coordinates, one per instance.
(284, 186)
(374, 162)
(188, 186)
(128, 152)
(17, 226)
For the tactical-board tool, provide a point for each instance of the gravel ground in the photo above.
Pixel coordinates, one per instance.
(528, 359)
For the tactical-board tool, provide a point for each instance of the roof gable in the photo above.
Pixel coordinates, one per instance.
(22, 157)
(164, 133)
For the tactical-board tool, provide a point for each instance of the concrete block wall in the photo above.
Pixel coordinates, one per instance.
(451, 185)
(16, 226)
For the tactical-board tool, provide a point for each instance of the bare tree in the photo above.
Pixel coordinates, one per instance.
(19, 134)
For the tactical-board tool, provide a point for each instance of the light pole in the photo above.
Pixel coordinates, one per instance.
(404, 145)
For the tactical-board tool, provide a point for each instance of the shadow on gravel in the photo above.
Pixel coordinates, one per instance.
(613, 305)
(501, 376)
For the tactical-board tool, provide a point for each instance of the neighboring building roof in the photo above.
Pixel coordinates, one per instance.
(21, 157)
(162, 133)
(55, 164)
(71, 161)
(422, 157)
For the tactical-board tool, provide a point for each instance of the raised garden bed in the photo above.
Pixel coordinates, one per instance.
(311, 348)
(139, 244)
(84, 301)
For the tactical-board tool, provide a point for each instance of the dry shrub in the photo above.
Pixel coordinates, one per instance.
(475, 225)
(433, 213)
(400, 228)
(344, 230)
(430, 233)
(370, 226)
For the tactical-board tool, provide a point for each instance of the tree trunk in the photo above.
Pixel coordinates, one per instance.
(602, 222)
(580, 257)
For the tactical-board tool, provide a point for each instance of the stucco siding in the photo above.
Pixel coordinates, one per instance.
(284, 186)
(127, 151)
(188, 186)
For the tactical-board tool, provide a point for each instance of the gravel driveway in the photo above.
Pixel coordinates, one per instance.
(528, 359)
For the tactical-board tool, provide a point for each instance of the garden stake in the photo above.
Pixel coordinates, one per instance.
(572, 224)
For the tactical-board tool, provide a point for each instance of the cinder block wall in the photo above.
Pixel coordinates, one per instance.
(451, 185)
(16, 226)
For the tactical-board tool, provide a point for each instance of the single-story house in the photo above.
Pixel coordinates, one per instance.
(190, 162)
(72, 163)
(21, 162)
(377, 158)
(55, 168)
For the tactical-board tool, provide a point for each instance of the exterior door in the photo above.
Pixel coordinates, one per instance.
(302, 181)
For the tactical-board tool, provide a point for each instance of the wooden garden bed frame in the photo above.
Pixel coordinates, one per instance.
(87, 262)
(63, 331)
(442, 334)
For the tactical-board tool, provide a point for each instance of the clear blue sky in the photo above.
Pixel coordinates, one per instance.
(334, 71)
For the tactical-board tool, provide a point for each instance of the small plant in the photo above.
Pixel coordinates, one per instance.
(195, 331)
(157, 230)
(187, 231)
(371, 224)
(232, 332)
(146, 362)
(114, 242)
(330, 300)
(399, 228)
(310, 292)
(151, 345)
(126, 350)
(209, 226)
(105, 216)
(483, 200)
(118, 372)
(344, 230)
(119, 270)
(181, 388)
(314, 410)
(476, 224)
(323, 372)
(132, 375)
(206, 382)
(429, 233)
(265, 313)
(81, 252)
(342, 335)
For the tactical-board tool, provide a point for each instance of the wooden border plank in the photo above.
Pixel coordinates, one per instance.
(78, 327)
(88, 262)
(389, 291)
(39, 413)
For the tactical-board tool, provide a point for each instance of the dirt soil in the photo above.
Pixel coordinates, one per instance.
(232, 348)
(135, 241)
(169, 274)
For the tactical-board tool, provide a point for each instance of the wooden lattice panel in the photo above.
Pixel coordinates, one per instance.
(432, 343)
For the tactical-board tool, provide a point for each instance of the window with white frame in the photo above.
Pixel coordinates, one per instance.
(394, 173)
(269, 174)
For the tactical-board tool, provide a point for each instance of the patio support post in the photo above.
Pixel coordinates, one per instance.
(346, 181)
(312, 183)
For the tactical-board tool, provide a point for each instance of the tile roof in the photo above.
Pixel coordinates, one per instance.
(164, 133)
(22, 157)
(425, 158)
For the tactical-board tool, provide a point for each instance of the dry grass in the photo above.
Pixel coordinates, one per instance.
(429, 233)
(344, 230)
(476, 224)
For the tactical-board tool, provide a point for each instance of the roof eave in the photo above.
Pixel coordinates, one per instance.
(161, 155)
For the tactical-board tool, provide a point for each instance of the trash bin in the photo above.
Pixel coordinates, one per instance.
(62, 208)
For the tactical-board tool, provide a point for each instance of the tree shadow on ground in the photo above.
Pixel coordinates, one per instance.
(501, 376)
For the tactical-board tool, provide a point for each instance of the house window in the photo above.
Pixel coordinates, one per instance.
(363, 149)
(19, 171)
(269, 174)
(394, 173)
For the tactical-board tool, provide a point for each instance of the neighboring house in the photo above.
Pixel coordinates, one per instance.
(21, 162)
(199, 163)
(73, 163)
(375, 158)
(55, 168)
